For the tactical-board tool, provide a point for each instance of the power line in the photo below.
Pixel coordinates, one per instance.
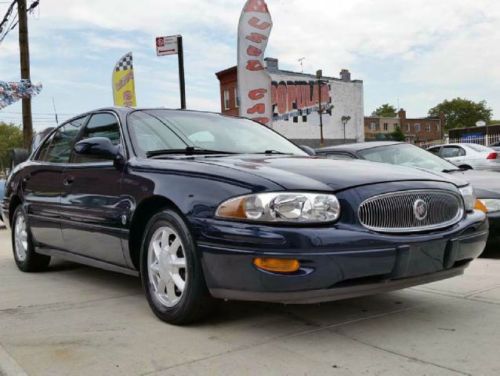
(5, 20)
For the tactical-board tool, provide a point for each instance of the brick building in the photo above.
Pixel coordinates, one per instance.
(423, 129)
(295, 104)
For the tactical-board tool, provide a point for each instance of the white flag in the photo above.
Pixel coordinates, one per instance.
(254, 83)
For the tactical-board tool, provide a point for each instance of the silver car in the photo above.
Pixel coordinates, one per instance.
(469, 156)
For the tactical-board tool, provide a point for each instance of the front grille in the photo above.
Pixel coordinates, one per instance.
(411, 211)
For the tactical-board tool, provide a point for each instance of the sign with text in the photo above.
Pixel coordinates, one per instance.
(167, 45)
(254, 82)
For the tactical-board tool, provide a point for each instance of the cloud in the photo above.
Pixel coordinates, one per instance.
(401, 49)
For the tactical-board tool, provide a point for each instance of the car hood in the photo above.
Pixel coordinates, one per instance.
(486, 183)
(324, 174)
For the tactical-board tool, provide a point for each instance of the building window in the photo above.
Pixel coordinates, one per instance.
(437, 128)
(428, 128)
(236, 98)
(226, 100)
(386, 127)
(377, 127)
(408, 127)
(396, 125)
(417, 127)
(372, 126)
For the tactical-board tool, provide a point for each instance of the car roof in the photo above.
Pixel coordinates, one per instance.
(358, 146)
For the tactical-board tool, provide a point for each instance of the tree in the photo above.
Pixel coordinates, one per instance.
(398, 135)
(11, 136)
(386, 110)
(462, 113)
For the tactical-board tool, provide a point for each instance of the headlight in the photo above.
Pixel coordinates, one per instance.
(289, 207)
(492, 205)
(469, 197)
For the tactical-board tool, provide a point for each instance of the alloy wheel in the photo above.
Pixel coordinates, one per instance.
(21, 238)
(167, 266)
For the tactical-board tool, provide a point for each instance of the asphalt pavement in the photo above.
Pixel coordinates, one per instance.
(75, 320)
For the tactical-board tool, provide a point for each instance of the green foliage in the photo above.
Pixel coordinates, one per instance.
(462, 113)
(386, 110)
(398, 135)
(11, 136)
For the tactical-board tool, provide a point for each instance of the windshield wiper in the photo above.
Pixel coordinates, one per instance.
(276, 152)
(189, 150)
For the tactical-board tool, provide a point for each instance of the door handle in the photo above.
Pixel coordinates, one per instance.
(68, 180)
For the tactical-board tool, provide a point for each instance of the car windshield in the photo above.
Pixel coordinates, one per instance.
(407, 155)
(154, 131)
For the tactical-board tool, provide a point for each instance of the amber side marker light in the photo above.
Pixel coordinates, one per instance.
(480, 206)
(277, 265)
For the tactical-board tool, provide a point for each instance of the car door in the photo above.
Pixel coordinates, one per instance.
(454, 154)
(42, 185)
(91, 204)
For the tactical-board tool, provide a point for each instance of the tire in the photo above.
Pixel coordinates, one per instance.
(27, 260)
(172, 276)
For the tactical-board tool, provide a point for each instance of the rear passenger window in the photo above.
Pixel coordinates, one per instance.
(57, 148)
(99, 125)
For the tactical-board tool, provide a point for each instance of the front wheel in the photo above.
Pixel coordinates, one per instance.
(171, 272)
(25, 256)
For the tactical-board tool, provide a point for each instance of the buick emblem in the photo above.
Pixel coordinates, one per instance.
(420, 209)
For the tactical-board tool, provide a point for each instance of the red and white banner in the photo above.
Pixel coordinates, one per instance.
(254, 83)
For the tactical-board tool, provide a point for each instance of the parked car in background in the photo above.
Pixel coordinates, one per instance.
(469, 156)
(496, 146)
(205, 206)
(486, 184)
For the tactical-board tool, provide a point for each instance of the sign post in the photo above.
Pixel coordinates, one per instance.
(172, 45)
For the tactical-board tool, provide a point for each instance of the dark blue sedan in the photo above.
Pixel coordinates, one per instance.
(204, 206)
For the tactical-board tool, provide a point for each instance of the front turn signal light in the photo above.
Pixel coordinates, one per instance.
(480, 206)
(276, 265)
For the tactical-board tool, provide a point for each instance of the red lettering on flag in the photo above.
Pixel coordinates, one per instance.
(256, 37)
(254, 65)
(257, 94)
(262, 120)
(254, 51)
(255, 22)
(258, 108)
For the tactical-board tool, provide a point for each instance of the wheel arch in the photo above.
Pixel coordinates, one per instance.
(142, 214)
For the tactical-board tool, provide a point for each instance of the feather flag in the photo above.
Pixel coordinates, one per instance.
(123, 82)
(254, 82)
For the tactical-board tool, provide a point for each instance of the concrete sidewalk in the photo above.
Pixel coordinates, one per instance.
(75, 320)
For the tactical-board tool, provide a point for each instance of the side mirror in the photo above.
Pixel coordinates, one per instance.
(97, 147)
(309, 150)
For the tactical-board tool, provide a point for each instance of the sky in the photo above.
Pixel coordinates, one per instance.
(408, 53)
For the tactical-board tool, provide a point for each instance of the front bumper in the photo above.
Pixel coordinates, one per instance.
(337, 262)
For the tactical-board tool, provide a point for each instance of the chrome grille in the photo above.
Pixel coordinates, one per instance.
(404, 211)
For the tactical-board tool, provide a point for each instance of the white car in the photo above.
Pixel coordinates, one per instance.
(469, 156)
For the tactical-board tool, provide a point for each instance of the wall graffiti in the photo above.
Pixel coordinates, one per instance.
(294, 99)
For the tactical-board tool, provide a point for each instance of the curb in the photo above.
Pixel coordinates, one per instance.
(8, 366)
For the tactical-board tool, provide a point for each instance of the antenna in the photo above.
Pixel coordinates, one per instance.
(301, 61)
(55, 111)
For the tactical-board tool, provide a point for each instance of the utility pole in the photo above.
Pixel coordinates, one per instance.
(182, 82)
(319, 75)
(25, 70)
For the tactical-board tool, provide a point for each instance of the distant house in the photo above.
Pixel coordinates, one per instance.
(423, 129)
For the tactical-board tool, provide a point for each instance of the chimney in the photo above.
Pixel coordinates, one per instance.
(402, 114)
(345, 75)
(272, 64)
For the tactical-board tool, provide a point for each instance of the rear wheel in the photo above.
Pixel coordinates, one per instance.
(171, 271)
(25, 256)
